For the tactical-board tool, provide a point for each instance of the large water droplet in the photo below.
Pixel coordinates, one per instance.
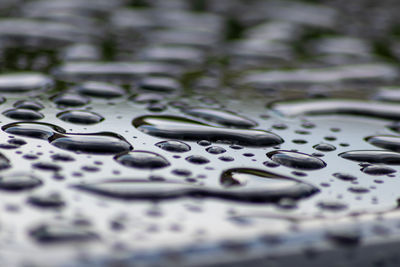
(296, 160)
(185, 129)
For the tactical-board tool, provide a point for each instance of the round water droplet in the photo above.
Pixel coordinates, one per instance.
(296, 160)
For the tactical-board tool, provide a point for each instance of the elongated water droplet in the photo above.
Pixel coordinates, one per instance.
(19, 182)
(372, 156)
(185, 129)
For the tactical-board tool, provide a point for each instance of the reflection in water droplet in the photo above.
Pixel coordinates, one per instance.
(142, 160)
(372, 156)
(296, 160)
(80, 117)
(222, 117)
(185, 129)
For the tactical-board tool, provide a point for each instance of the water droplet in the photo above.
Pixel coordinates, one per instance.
(296, 160)
(80, 117)
(142, 160)
(174, 146)
(29, 104)
(390, 142)
(56, 233)
(161, 84)
(338, 106)
(100, 89)
(332, 205)
(345, 176)
(47, 166)
(222, 117)
(324, 147)
(71, 100)
(377, 170)
(216, 150)
(35, 130)
(19, 182)
(95, 143)
(185, 129)
(24, 82)
(196, 159)
(372, 156)
(51, 200)
(258, 185)
(23, 114)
